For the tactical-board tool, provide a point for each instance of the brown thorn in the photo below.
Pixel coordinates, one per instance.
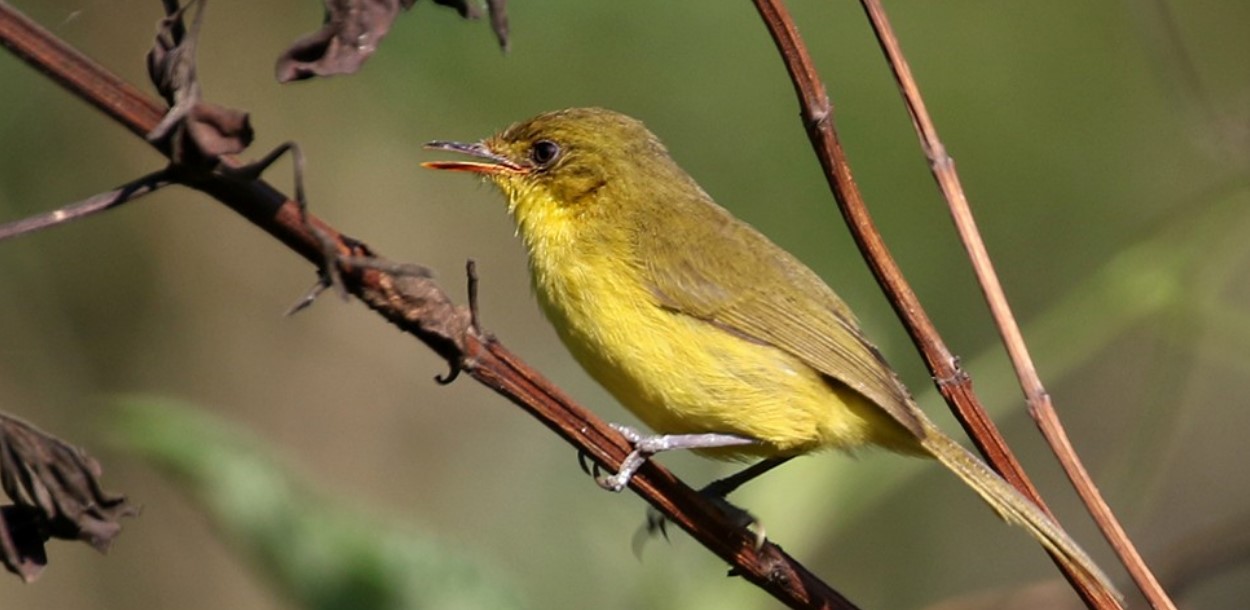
(470, 270)
(453, 372)
(330, 268)
(308, 299)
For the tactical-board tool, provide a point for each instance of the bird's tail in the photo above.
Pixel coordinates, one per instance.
(1013, 507)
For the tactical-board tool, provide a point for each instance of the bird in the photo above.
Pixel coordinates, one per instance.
(716, 338)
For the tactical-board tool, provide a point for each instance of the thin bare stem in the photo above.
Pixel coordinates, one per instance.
(81, 209)
(1040, 406)
(420, 307)
(952, 382)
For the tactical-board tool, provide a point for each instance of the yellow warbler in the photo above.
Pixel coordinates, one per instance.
(707, 331)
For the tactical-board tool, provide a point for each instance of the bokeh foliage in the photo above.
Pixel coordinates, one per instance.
(1108, 178)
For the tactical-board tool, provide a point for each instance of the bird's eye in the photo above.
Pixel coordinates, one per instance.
(544, 152)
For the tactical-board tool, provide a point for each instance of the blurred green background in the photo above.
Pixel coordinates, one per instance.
(1103, 147)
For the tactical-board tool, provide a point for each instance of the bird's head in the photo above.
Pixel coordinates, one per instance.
(566, 161)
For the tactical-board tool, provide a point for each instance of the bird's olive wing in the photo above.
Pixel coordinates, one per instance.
(723, 271)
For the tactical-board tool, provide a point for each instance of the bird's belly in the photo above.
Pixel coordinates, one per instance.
(681, 375)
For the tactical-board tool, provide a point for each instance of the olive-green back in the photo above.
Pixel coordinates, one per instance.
(721, 270)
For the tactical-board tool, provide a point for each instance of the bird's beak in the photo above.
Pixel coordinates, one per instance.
(494, 162)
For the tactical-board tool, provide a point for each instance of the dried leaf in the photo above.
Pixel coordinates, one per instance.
(21, 541)
(498, 10)
(466, 9)
(197, 132)
(55, 492)
(167, 67)
(350, 33)
(352, 30)
(218, 130)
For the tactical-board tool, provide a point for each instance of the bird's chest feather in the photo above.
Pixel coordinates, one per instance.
(676, 373)
(605, 316)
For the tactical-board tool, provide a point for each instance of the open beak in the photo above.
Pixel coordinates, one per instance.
(491, 163)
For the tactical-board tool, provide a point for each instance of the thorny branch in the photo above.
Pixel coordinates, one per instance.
(417, 305)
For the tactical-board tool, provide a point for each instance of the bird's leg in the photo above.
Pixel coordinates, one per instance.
(646, 446)
(716, 492)
(723, 487)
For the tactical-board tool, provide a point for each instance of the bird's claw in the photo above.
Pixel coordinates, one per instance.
(592, 469)
(656, 523)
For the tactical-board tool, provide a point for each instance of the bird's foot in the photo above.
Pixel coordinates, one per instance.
(647, 445)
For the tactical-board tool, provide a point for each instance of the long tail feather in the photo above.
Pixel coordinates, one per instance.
(1012, 506)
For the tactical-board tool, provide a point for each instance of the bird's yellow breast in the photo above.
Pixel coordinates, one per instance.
(679, 374)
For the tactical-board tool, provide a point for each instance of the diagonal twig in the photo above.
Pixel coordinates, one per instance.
(81, 209)
(418, 306)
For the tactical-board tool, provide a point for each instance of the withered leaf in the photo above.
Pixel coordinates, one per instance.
(217, 130)
(55, 492)
(498, 10)
(467, 9)
(352, 30)
(197, 132)
(21, 541)
(349, 34)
